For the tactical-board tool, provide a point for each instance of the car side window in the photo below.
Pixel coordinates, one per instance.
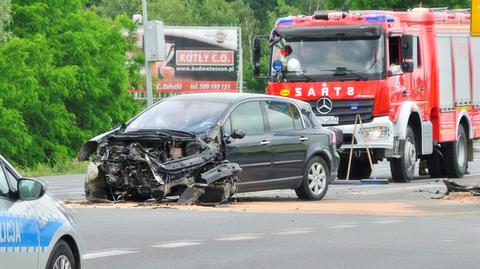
(246, 117)
(308, 122)
(282, 116)
(296, 116)
(4, 189)
(227, 127)
(11, 179)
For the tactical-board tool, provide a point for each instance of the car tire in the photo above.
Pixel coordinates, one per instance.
(455, 154)
(342, 168)
(403, 168)
(61, 255)
(435, 165)
(315, 180)
(360, 169)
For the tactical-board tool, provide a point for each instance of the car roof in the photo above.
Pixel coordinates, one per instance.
(232, 97)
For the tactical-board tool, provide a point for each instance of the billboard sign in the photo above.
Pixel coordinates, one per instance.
(198, 59)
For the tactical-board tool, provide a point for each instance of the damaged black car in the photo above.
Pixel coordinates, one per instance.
(206, 147)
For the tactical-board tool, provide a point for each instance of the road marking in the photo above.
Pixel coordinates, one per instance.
(342, 226)
(293, 232)
(386, 221)
(107, 253)
(239, 237)
(178, 244)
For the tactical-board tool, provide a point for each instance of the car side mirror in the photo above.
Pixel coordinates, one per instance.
(238, 134)
(30, 189)
(407, 67)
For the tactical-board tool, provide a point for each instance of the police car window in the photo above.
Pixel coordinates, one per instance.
(11, 179)
(248, 118)
(4, 190)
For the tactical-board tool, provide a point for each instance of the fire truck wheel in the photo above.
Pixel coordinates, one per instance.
(403, 168)
(435, 165)
(360, 169)
(456, 155)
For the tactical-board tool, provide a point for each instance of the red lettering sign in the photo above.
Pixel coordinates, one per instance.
(204, 57)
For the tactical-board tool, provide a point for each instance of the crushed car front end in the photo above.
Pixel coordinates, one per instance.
(152, 163)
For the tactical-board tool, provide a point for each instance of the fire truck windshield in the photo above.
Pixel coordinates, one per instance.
(328, 59)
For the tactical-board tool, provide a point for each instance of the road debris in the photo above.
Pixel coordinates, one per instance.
(452, 186)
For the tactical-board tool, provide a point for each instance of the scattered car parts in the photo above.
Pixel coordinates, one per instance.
(452, 186)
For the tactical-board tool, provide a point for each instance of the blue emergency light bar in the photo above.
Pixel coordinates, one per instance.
(372, 18)
(285, 21)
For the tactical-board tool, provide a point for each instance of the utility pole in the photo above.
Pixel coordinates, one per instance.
(148, 72)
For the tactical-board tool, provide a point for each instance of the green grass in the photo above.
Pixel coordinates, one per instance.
(68, 167)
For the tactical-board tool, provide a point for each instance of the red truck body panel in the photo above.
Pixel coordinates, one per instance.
(439, 33)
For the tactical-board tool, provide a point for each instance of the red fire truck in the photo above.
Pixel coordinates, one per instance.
(413, 77)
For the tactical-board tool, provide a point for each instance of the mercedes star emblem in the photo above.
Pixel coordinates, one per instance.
(324, 105)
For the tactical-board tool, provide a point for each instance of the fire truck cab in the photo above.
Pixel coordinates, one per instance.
(413, 77)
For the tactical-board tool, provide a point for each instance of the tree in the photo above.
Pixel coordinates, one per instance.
(63, 80)
(4, 19)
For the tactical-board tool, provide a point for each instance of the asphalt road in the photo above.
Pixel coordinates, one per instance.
(431, 234)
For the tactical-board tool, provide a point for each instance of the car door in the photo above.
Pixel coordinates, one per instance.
(252, 152)
(19, 237)
(288, 144)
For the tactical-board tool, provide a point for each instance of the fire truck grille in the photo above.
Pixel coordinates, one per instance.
(347, 110)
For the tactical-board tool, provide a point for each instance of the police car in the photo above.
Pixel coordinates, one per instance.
(35, 230)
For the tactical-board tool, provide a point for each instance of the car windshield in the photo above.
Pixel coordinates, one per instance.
(332, 59)
(194, 116)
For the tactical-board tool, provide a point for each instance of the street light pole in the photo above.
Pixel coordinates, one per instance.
(148, 73)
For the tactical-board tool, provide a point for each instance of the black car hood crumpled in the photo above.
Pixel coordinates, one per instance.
(154, 164)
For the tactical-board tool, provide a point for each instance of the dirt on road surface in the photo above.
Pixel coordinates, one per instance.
(279, 206)
(462, 197)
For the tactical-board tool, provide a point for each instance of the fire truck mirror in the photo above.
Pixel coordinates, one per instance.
(407, 47)
(256, 54)
(407, 67)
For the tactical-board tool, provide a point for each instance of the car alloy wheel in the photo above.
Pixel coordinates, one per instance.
(317, 178)
(62, 262)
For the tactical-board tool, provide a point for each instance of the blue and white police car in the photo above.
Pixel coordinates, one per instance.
(35, 230)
